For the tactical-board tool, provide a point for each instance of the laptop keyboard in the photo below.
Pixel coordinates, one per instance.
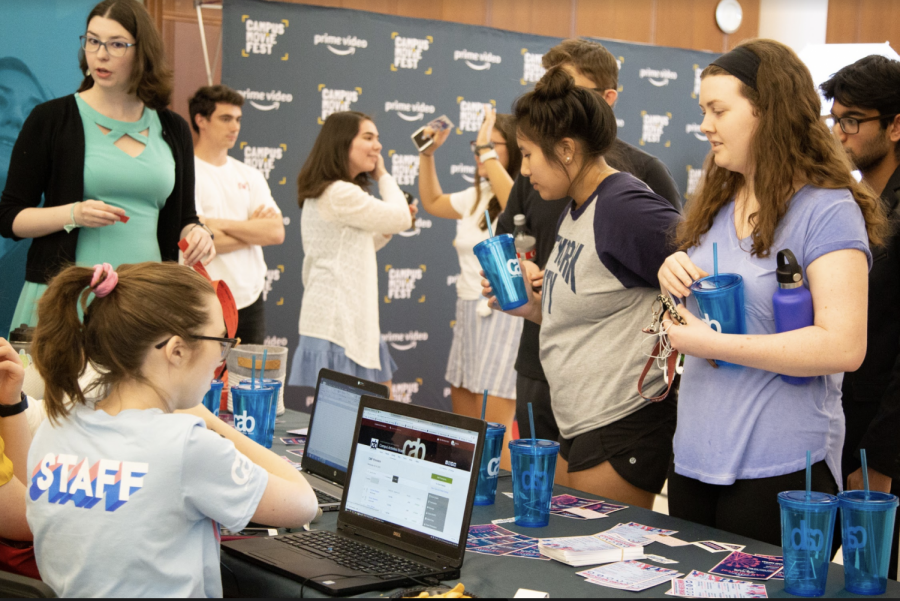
(324, 497)
(354, 555)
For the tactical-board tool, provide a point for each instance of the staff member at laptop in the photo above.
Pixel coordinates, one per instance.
(342, 227)
(124, 496)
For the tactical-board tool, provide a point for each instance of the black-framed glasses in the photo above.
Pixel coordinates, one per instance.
(115, 48)
(227, 343)
(474, 143)
(850, 125)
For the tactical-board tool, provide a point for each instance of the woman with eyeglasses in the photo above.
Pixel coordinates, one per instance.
(114, 166)
(483, 352)
(135, 486)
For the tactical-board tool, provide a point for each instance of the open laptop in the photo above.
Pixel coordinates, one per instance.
(330, 436)
(405, 514)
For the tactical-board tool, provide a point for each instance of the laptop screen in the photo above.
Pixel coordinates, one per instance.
(331, 434)
(412, 473)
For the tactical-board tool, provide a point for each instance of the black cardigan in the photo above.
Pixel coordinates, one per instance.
(48, 160)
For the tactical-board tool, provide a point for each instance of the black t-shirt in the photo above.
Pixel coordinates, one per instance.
(542, 220)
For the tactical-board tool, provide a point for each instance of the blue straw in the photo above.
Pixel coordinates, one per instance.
(716, 263)
(253, 374)
(808, 475)
(487, 219)
(531, 423)
(865, 471)
(483, 405)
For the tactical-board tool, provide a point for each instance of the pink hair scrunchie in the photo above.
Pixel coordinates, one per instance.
(105, 287)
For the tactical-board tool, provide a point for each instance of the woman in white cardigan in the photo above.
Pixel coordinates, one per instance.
(342, 227)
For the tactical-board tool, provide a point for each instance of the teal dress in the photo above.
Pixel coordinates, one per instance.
(140, 185)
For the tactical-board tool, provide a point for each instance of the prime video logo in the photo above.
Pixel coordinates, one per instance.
(409, 111)
(404, 341)
(419, 225)
(351, 43)
(694, 128)
(257, 99)
(658, 78)
(466, 171)
(484, 60)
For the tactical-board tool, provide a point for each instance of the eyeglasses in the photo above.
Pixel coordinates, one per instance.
(227, 343)
(850, 125)
(115, 48)
(474, 143)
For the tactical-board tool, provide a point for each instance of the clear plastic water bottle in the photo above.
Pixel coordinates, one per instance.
(792, 302)
(526, 244)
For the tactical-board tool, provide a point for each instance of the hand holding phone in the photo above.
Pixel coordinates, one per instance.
(432, 135)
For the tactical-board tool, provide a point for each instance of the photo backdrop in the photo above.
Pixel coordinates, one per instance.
(297, 64)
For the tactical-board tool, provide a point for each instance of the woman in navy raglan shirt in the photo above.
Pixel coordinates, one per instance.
(775, 179)
(598, 287)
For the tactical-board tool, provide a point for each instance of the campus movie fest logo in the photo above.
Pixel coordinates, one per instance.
(409, 51)
(342, 46)
(404, 341)
(653, 126)
(465, 170)
(263, 158)
(402, 282)
(479, 61)
(658, 78)
(471, 114)
(69, 478)
(266, 101)
(697, 72)
(262, 36)
(409, 111)
(694, 128)
(404, 391)
(533, 70)
(693, 180)
(272, 275)
(404, 168)
(337, 101)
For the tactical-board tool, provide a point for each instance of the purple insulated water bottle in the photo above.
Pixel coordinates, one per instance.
(792, 302)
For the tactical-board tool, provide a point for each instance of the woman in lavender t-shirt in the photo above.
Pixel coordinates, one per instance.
(774, 180)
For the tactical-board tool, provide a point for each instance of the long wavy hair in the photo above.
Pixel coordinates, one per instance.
(506, 125)
(791, 144)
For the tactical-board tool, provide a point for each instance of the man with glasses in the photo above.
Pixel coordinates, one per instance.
(593, 67)
(865, 117)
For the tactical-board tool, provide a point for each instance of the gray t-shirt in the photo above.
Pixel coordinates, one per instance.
(127, 505)
(599, 285)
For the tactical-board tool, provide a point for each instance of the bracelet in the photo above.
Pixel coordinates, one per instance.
(11, 410)
(72, 225)
(212, 236)
(487, 156)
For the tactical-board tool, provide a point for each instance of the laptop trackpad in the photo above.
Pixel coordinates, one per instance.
(278, 557)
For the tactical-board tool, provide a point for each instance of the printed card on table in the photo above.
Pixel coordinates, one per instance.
(299, 440)
(629, 575)
(745, 565)
(488, 530)
(669, 541)
(634, 533)
(710, 589)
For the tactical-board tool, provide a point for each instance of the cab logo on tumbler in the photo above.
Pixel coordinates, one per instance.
(263, 158)
(652, 127)
(266, 101)
(533, 69)
(336, 101)
(409, 51)
(478, 61)
(409, 111)
(404, 168)
(658, 78)
(404, 391)
(262, 36)
(402, 282)
(471, 114)
(404, 341)
(70, 478)
(342, 46)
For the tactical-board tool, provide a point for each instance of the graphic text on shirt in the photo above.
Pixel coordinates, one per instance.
(69, 478)
(567, 254)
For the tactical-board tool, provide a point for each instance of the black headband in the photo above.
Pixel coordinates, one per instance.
(742, 63)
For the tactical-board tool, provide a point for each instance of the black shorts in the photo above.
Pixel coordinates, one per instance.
(638, 446)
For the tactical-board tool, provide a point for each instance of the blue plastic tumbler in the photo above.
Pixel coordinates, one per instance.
(486, 489)
(807, 527)
(720, 300)
(270, 418)
(867, 525)
(501, 267)
(533, 470)
(212, 400)
(252, 409)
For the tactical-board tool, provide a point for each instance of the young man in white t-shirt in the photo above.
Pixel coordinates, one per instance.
(235, 202)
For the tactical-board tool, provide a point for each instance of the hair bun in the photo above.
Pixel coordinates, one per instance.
(556, 83)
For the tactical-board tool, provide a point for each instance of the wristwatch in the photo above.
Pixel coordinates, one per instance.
(487, 156)
(11, 410)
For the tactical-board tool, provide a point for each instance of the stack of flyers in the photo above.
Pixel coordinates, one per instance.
(633, 533)
(491, 539)
(751, 567)
(715, 547)
(563, 506)
(296, 440)
(698, 584)
(588, 550)
(297, 452)
(629, 575)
